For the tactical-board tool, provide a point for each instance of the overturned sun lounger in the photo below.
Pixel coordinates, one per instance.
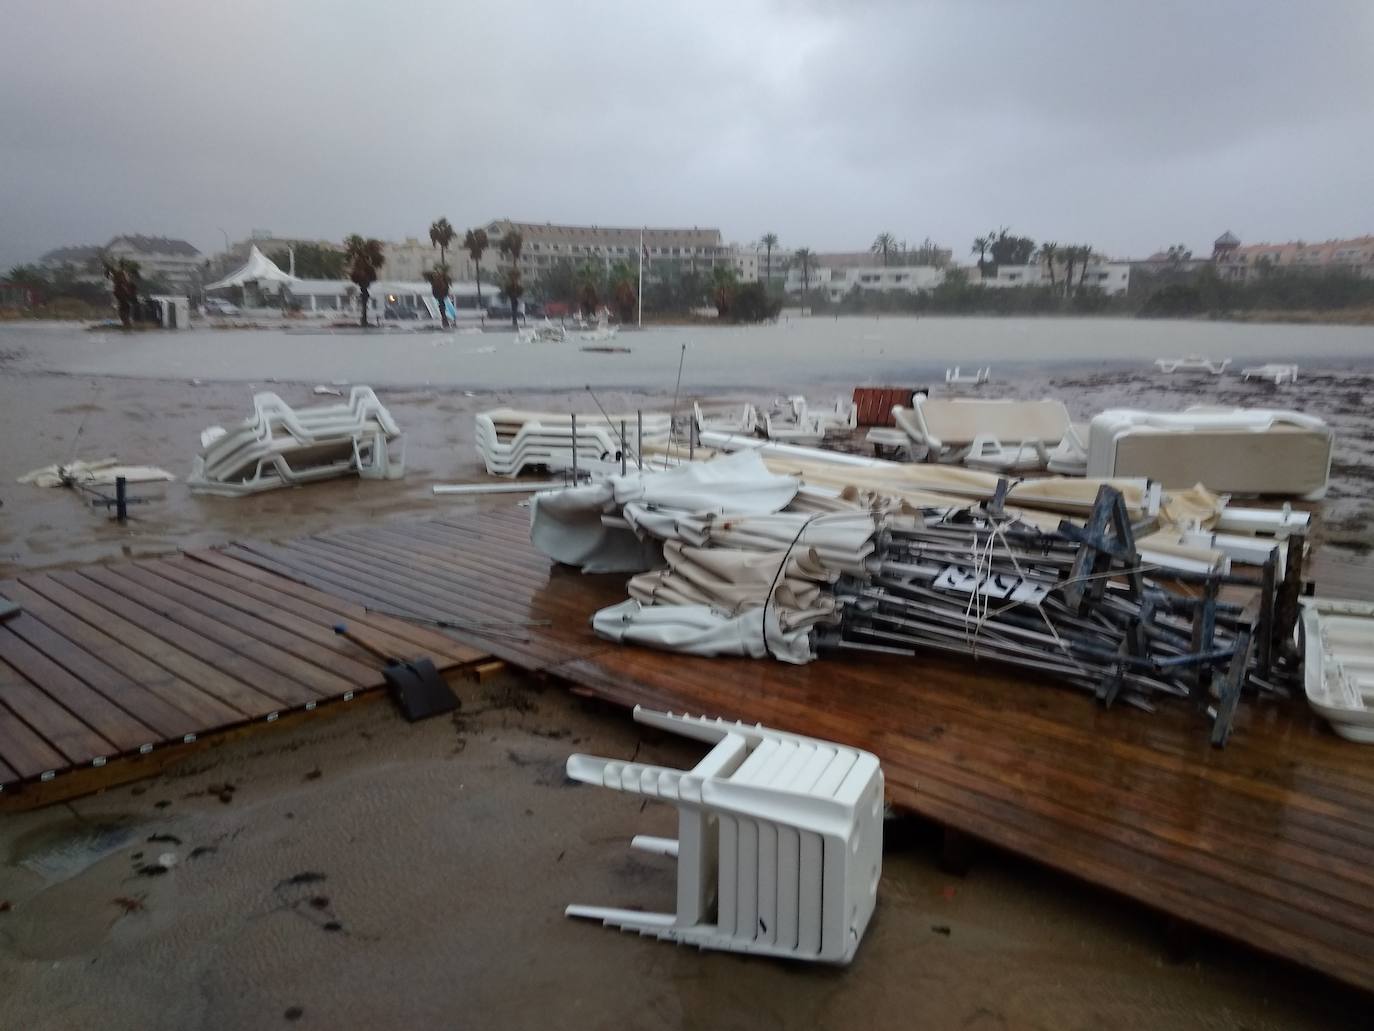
(779, 843)
(279, 446)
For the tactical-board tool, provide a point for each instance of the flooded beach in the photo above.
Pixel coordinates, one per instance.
(157, 392)
(793, 353)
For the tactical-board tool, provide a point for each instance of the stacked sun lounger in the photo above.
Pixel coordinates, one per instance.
(278, 446)
(1232, 450)
(998, 435)
(510, 440)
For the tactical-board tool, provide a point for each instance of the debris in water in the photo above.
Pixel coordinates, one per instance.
(941, 929)
(319, 902)
(202, 850)
(294, 1013)
(167, 839)
(305, 877)
(130, 903)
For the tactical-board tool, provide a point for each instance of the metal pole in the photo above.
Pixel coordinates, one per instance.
(623, 456)
(691, 438)
(574, 446)
(639, 438)
(121, 498)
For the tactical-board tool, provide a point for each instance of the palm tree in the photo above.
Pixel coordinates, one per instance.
(1085, 253)
(1048, 250)
(623, 290)
(588, 288)
(441, 234)
(475, 242)
(1070, 259)
(804, 257)
(513, 290)
(980, 247)
(769, 241)
(440, 283)
(123, 276)
(364, 258)
(884, 244)
(511, 245)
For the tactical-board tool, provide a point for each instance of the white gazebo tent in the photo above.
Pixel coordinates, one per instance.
(259, 269)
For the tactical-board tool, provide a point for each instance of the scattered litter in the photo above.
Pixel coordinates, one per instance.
(416, 686)
(811, 901)
(305, 877)
(98, 473)
(167, 860)
(328, 391)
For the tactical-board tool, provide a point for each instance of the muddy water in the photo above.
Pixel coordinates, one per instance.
(793, 352)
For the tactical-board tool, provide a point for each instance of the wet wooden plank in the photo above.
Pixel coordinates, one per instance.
(240, 695)
(199, 708)
(25, 752)
(292, 680)
(77, 742)
(264, 637)
(144, 706)
(294, 596)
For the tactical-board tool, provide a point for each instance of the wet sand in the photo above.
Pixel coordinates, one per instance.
(359, 872)
(446, 850)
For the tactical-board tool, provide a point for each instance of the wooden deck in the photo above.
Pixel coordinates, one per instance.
(1267, 842)
(110, 662)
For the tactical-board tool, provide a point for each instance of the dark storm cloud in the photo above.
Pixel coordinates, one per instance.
(1129, 125)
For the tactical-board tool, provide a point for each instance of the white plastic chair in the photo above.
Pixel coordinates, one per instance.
(783, 833)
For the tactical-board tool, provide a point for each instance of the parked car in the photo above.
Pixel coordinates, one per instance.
(219, 306)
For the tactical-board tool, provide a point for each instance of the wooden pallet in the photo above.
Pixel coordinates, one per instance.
(1266, 842)
(106, 664)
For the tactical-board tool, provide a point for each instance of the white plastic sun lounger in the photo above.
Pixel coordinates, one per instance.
(975, 378)
(998, 435)
(779, 844)
(740, 419)
(280, 446)
(1235, 451)
(1274, 373)
(509, 440)
(1338, 638)
(1194, 363)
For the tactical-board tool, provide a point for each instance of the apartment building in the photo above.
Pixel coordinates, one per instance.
(547, 243)
(1237, 261)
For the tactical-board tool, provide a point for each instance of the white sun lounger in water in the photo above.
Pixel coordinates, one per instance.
(1249, 451)
(1338, 640)
(1274, 373)
(783, 833)
(999, 435)
(279, 446)
(1194, 363)
(974, 378)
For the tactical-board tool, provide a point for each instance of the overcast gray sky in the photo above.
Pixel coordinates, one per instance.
(1129, 125)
